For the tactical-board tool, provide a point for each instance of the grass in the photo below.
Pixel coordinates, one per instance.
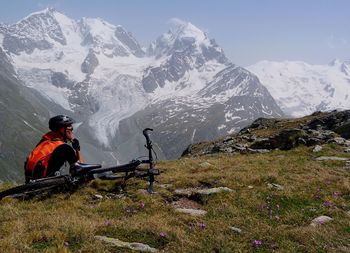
(271, 220)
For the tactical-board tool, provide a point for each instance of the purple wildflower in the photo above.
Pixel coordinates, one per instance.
(278, 206)
(328, 204)
(201, 225)
(108, 223)
(257, 242)
(336, 194)
(162, 234)
(66, 244)
(321, 222)
(142, 205)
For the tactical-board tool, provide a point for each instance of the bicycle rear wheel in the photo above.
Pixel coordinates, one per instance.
(39, 185)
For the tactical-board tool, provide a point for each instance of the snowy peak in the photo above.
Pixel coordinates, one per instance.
(39, 30)
(300, 88)
(183, 50)
(48, 29)
(41, 24)
(187, 30)
(108, 39)
(185, 37)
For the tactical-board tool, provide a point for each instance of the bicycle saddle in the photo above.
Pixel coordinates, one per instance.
(81, 168)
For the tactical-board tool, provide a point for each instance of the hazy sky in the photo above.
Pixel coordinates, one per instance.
(315, 31)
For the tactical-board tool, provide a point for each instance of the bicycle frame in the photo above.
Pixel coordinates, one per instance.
(131, 167)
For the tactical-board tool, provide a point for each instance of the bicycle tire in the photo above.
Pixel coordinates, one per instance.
(33, 193)
(36, 185)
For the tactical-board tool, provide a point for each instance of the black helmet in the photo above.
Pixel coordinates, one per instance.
(59, 121)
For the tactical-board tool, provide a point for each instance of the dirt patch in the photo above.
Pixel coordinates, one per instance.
(186, 203)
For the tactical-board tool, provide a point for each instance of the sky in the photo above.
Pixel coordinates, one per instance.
(314, 31)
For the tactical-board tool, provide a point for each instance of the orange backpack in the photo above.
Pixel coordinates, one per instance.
(41, 156)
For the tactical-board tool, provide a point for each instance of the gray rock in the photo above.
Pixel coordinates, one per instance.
(193, 212)
(317, 148)
(275, 186)
(331, 158)
(347, 150)
(61, 80)
(128, 245)
(259, 151)
(90, 63)
(98, 196)
(213, 190)
(347, 143)
(185, 192)
(337, 140)
(192, 191)
(128, 40)
(240, 147)
(205, 164)
(320, 220)
(237, 230)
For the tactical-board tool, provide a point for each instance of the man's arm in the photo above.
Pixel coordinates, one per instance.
(76, 147)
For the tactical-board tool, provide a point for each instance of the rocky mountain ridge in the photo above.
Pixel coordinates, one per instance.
(265, 135)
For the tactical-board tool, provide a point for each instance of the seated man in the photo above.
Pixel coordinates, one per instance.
(53, 151)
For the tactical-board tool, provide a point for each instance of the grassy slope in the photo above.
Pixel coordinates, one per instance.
(280, 219)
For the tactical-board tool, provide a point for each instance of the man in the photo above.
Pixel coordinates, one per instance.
(53, 151)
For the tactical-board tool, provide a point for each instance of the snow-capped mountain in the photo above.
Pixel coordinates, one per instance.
(301, 89)
(98, 72)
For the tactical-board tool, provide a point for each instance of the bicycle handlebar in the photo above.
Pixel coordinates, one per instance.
(145, 133)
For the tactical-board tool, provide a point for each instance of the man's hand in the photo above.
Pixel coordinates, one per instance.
(76, 144)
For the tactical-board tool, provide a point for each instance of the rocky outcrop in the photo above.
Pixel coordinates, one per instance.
(338, 122)
(90, 63)
(264, 135)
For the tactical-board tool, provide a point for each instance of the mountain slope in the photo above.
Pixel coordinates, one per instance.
(300, 88)
(21, 124)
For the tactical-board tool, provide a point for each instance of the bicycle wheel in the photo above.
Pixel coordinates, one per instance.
(35, 186)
